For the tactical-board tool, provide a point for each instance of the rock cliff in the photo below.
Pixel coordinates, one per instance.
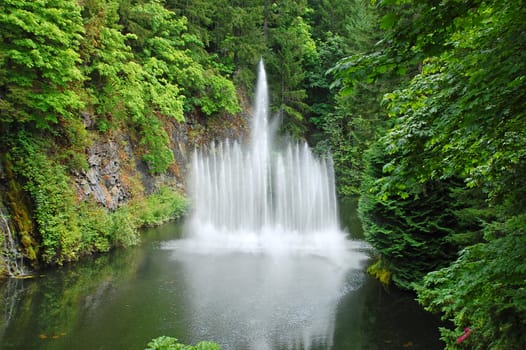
(114, 176)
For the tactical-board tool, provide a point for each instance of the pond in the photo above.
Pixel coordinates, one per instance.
(240, 300)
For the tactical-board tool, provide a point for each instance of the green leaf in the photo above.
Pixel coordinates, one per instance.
(388, 21)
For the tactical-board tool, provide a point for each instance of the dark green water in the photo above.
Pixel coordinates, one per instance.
(243, 301)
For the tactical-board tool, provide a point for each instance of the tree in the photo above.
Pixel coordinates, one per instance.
(169, 79)
(239, 38)
(39, 61)
(166, 48)
(346, 116)
(200, 16)
(290, 42)
(105, 57)
(417, 229)
(460, 117)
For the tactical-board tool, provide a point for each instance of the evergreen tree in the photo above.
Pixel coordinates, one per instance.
(239, 38)
(420, 229)
(460, 117)
(200, 16)
(346, 116)
(290, 42)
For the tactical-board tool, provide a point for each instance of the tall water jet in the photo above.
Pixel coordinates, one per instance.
(256, 195)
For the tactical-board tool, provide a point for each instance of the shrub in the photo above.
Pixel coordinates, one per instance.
(170, 343)
(160, 207)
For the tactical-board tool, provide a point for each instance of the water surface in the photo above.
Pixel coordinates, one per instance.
(241, 300)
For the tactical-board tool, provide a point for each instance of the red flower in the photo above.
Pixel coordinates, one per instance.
(463, 337)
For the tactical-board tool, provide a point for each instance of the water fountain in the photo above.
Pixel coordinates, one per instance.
(264, 260)
(257, 196)
(263, 266)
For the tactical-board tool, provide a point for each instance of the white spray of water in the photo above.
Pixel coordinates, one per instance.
(256, 197)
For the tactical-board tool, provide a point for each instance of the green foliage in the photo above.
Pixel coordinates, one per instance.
(163, 44)
(38, 60)
(106, 57)
(69, 69)
(351, 118)
(460, 117)
(484, 290)
(291, 42)
(53, 199)
(415, 230)
(219, 95)
(241, 36)
(160, 207)
(123, 229)
(168, 80)
(144, 67)
(465, 109)
(318, 84)
(124, 92)
(170, 343)
(94, 224)
(103, 230)
(334, 136)
(201, 14)
(352, 20)
(232, 30)
(159, 155)
(464, 99)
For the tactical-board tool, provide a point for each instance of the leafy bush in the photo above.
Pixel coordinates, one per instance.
(53, 200)
(416, 230)
(160, 207)
(124, 227)
(103, 230)
(159, 155)
(94, 224)
(496, 311)
(170, 343)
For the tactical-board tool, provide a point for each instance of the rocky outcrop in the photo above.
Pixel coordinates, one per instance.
(113, 175)
(116, 173)
(102, 180)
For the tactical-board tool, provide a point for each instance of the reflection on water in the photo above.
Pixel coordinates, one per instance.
(242, 300)
(257, 301)
(44, 312)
